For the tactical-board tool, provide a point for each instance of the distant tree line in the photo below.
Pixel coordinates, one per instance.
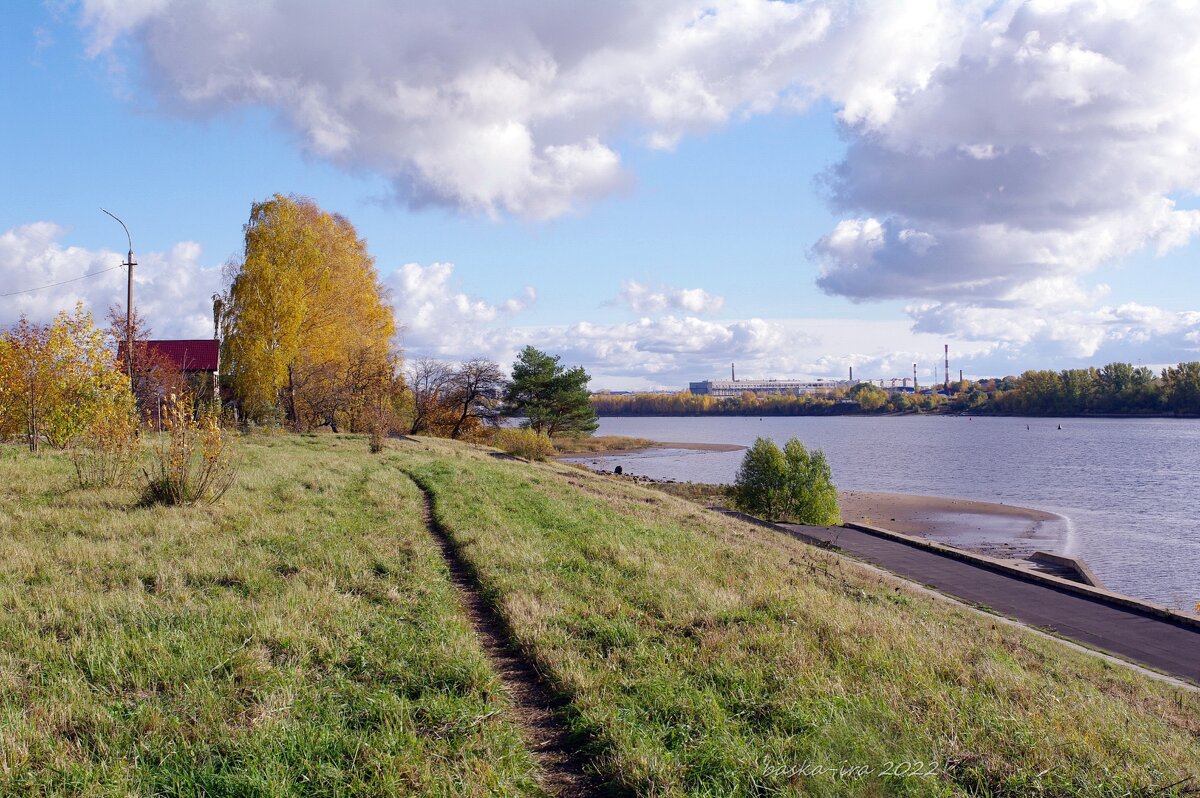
(1115, 389)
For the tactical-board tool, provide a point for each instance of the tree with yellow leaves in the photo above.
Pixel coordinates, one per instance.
(55, 377)
(307, 330)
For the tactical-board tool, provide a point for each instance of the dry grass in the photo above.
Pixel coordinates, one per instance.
(590, 444)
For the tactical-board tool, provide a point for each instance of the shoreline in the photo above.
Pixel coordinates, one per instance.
(994, 529)
(998, 530)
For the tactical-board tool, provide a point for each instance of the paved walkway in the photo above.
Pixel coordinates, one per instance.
(1156, 642)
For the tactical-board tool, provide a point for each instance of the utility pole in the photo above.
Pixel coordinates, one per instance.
(128, 306)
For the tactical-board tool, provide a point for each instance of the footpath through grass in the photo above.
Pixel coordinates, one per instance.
(706, 656)
(301, 638)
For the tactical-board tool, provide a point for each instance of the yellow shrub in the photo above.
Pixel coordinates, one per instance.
(525, 443)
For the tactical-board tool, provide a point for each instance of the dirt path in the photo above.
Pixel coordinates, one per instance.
(535, 707)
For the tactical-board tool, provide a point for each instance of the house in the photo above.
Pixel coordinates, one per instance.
(198, 360)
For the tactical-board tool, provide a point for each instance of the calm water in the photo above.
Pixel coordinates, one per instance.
(1127, 487)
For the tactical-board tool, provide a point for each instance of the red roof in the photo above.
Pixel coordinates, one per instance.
(192, 354)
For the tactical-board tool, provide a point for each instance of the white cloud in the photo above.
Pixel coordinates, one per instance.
(171, 290)
(1055, 142)
(437, 319)
(514, 107)
(644, 299)
(998, 153)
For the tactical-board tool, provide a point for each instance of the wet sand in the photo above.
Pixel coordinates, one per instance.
(998, 530)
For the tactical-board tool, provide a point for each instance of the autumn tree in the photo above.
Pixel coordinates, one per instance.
(307, 329)
(54, 377)
(477, 388)
(552, 398)
(869, 397)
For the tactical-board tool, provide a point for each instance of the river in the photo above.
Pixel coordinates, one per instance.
(1129, 488)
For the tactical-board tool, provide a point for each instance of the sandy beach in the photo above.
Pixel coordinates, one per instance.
(1001, 530)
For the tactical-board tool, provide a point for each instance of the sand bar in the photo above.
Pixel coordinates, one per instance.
(1002, 530)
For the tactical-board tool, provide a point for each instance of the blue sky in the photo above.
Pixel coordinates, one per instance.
(838, 203)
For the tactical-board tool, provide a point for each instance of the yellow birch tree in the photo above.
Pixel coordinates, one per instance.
(307, 330)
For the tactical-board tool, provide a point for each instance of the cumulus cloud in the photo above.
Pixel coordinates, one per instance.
(997, 153)
(643, 299)
(171, 289)
(438, 319)
(514, 107)
(1058, 140)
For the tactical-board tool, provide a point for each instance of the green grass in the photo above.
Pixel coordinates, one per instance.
(705, 656)
(301, 638)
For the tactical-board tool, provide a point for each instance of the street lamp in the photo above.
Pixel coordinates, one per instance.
(128, 306)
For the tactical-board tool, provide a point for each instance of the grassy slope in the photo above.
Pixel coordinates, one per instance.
(705, 656)
(299, 639)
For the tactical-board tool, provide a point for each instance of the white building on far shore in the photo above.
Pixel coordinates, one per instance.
(766, 387)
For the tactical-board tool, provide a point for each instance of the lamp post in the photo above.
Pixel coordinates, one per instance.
(128, 306)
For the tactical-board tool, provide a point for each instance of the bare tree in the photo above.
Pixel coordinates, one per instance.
(430, 382)
(478, 388)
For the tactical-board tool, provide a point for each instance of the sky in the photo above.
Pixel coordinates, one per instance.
(652, 190)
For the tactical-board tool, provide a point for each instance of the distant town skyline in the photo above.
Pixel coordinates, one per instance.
(651, 190)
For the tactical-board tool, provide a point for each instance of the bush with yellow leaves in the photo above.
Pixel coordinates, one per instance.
(191, 461)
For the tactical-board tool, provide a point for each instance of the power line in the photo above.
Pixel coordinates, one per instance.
(64, 282)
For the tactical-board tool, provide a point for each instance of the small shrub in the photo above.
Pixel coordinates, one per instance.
(790, 485)
(105, 454)
(524, 443)
(191, 462)
(376, 435)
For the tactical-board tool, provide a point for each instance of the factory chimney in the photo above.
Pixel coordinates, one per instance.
(852, 374)
(947, 372)
(914, 379)
(732, 373)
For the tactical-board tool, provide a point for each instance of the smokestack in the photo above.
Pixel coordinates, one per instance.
(914, 378)
(947, 372)
(732, 374)
(960, 375)
(852, 374)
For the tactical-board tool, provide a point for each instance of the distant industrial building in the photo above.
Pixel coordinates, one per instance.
(765, 387)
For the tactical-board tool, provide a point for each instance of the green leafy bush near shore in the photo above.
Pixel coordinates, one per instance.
(300, 638)
(706, 656)
(790, 485)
